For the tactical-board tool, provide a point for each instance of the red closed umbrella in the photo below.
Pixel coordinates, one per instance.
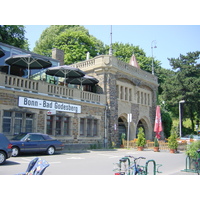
(158, 123)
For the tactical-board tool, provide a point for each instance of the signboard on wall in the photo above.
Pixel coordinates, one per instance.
(51, 112)
(48, 105)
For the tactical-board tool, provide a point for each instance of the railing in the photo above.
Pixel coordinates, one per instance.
(18, 83)
(42, 87)
(112, 62)
(150, 145)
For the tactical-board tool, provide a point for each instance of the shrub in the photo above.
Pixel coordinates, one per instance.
(172, 141)
(192, 148)
(141, 141)
(156, 144)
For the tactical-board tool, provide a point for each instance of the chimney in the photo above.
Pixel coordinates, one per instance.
(88, 56)
(58, 55)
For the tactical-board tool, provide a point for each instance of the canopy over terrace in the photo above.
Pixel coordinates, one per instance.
(28, 61)
(65, 71)
(85, 80)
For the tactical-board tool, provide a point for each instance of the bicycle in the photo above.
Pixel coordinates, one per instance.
(126, 167)
(196, 163)
(136, 169)
(122, 166)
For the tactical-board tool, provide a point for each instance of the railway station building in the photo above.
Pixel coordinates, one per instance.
(78, 116)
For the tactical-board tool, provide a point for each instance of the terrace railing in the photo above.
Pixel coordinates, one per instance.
(42, 87)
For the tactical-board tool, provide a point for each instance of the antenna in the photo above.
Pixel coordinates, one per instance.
(110, 50)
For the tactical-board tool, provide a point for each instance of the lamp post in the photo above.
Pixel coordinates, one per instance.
(180, 118)
(153, 45)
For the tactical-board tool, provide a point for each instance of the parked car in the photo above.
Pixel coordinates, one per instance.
(5, 148)
(35, 142)
(189, 138)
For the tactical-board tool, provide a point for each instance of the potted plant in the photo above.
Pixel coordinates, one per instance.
(123, 135)
(156, 145)
(173, 143)
(141, 141)
(191, 152)
(192, 148)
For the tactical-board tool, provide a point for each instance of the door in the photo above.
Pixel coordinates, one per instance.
(32, 143)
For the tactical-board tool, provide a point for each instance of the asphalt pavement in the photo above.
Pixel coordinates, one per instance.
(97, 162)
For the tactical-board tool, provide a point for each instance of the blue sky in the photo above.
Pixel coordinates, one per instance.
(171, 40)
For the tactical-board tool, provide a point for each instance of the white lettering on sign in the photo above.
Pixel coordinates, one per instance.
(48, 105)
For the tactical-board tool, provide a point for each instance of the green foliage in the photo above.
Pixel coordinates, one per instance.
(166, 122)
(76, 44)
(46, 42)
(192, 148)
(156, 143)
(124, 52)
(13, 35)
(64, 37)
(141, 141)
(188, 131)
(172, 141)
(96, 146)
(184, 83)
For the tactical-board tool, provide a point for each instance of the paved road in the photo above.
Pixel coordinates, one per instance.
(96, 162)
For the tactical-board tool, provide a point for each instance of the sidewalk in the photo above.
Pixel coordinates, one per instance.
(184, 173)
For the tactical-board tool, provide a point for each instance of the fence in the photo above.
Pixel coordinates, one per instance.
(150, 145)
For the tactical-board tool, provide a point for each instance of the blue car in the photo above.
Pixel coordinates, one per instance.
(5, 148)
(35, 142)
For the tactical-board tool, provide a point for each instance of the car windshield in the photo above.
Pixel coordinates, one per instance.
(19, 136)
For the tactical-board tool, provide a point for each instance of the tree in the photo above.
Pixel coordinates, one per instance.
(184, 84)
(166, 122)
(64, 37)
(76, 44)
(46, 42)
(13, 35)
(124, 52)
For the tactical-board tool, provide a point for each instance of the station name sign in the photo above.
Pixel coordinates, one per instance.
(48, 105)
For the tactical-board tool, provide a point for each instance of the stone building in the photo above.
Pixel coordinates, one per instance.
(127, 89)
(79, 118)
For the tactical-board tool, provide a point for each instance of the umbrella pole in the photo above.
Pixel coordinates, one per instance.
(28, 71)
(28, 67)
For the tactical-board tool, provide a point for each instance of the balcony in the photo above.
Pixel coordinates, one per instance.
(108, 62)
(11, 82)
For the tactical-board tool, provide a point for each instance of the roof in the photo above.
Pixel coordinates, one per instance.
(27, 52)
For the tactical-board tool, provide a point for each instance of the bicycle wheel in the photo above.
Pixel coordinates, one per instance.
(198, 166)
(194, 166)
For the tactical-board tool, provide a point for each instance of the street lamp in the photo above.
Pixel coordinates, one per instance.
(180, 118)
(153, 45)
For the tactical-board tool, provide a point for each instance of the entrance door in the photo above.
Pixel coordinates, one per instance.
(121, 129)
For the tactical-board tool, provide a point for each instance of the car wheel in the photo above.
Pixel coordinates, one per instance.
(51, 150)
(15, 151)
(2, 157)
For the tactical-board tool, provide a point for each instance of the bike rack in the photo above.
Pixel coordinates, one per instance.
(154, 167)
(188, 166)
(124, 159)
